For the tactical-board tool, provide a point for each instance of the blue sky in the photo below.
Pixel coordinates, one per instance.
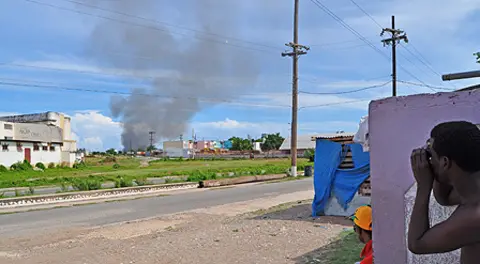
(45, 46)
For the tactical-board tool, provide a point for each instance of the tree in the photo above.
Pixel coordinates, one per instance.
(241, 144)
(478, 56)
(151, 148)
(111, 151)
(272, 142)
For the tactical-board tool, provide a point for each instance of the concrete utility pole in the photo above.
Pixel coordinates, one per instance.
(152, 133)
(297, 50)
(397, 36)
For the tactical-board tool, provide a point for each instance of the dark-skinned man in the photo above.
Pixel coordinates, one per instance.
(450, 165)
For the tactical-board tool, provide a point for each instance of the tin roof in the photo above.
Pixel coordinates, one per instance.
(308, 141)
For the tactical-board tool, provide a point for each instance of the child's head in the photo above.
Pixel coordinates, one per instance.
(362, 220)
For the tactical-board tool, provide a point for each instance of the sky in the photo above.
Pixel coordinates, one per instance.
(54, 58)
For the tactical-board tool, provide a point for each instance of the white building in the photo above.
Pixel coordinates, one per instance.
(178, 148)
(44, 137)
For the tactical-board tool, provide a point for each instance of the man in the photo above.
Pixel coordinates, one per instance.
(450, 164)
(362, 220)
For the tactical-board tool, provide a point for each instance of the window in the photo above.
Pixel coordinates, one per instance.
(5, 147)
(45, 148)
(36, 147)
(52, 148)
(8, 126)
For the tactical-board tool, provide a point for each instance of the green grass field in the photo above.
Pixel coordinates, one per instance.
(344, 250)
(103, 169)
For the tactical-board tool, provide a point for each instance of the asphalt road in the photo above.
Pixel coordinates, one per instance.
(114, 212)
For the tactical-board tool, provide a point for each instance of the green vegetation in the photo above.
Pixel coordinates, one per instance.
(345, 249)
(125, 171)
(309, 154)
(40, 165)
(477, 54)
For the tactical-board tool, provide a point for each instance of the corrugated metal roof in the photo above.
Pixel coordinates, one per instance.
(308, 141)
(334, 135)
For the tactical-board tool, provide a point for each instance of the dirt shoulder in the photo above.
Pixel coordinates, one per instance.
(273, 230)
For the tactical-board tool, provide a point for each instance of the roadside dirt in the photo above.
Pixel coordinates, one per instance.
(231, 233)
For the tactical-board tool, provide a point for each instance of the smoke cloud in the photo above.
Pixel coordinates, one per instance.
(181, 68)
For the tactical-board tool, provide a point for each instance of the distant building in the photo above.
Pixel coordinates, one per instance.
(180, 148)
(44, 137)
(304, 142)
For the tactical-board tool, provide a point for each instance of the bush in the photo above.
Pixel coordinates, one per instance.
(109, 159)
(142, 181)
(79, 165)
(3, 169)
(31, 190)
(51, 165)
(40, 166)
(94, 184)
(80, 185)
(310, 154)
(21, 166)
(116, 166)
(120, 182)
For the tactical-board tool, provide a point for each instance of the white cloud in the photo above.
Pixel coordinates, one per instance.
(95, 131)
(227, 128)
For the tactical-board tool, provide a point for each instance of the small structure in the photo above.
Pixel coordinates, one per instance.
(304, 142)
(177, 149)
(43, 137)
(341, 178)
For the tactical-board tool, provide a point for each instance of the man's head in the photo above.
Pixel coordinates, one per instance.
(362, 223)
(454, 148)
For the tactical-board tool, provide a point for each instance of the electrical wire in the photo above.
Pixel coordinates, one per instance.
(348, 92)
(338, 103)
(427, 85)
(6, 83)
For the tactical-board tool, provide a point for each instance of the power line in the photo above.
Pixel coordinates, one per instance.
(147, 26)
(366, 13)
(378, 24)
(169, 24)
(130, 93)
(428, 86)
(351, 91)
(338, 103)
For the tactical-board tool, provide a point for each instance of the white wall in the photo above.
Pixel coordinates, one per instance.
(6, 132)
(7, 158)
(67, 129)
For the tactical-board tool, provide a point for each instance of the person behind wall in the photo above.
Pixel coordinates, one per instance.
(450, 165)
(362, 224)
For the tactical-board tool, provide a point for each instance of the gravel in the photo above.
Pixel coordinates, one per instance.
(283, 234)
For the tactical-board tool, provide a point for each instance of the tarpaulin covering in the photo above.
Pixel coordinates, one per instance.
(329, 179)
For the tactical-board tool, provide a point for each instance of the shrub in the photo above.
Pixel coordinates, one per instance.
(21, 166)
(64, 187)
(31, 190)
(94, 184)
(116, 166)
(109, 159)
(3, 169)
(310, 154)
(79, 165)
(141, 181)
(40, 166)
(120, 182)
(51, 165)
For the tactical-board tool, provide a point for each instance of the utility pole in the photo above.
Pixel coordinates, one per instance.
(297, 50)
(397, 36)
(152, 133)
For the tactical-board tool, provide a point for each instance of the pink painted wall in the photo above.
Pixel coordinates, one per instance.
(396, 126)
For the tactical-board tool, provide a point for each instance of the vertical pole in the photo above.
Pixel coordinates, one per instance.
(394, 59)
(293, 143)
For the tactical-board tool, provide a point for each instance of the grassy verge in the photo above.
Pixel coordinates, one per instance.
(345, 249)
(123, 171)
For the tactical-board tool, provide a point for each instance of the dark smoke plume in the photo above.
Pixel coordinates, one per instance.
(182, 68)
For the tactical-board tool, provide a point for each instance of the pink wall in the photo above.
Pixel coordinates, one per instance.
(396, 126)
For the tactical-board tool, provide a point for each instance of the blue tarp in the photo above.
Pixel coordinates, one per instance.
(328, 179)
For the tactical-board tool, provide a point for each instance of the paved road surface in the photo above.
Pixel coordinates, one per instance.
(109, 213)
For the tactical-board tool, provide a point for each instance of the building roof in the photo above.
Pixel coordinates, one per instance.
(308, 141)
(333, 135)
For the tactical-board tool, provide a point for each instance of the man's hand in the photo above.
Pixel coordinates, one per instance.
(421, 168)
